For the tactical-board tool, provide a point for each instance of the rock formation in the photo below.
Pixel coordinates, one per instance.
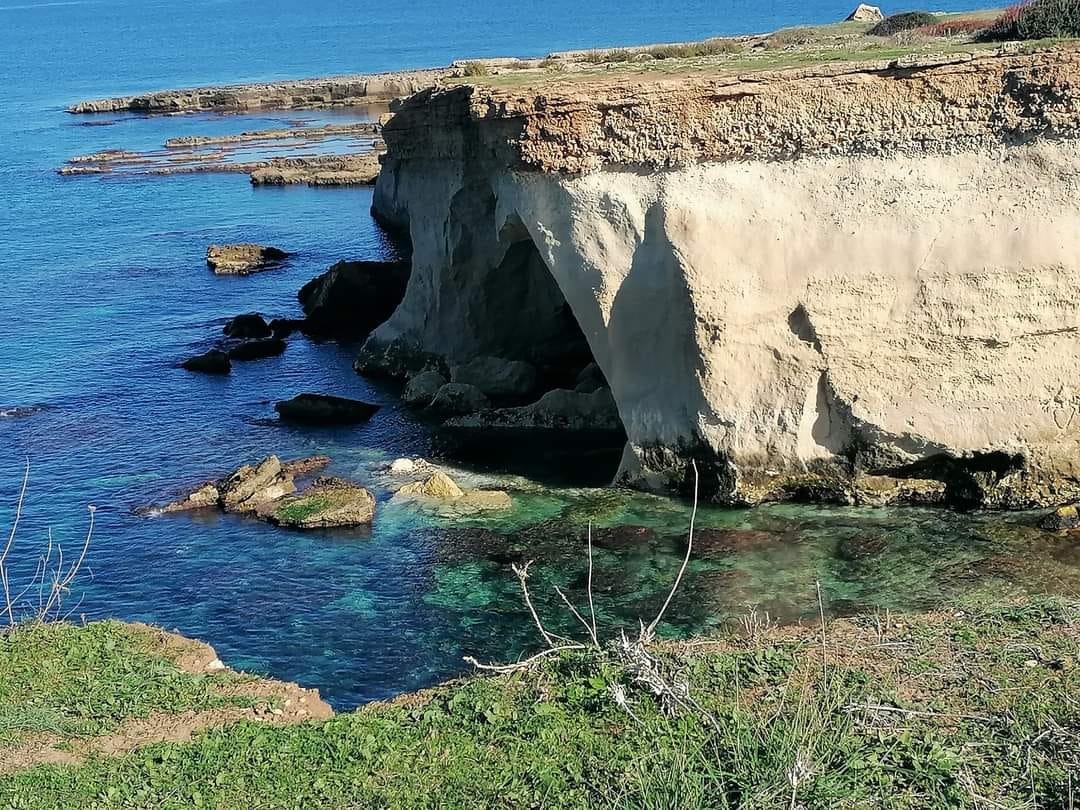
(352, 298)
(794, 279)
(323, 409)
(232, 260)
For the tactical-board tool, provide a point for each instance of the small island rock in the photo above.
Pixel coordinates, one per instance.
(323, 409)
(257, 349)
(327, 503)
(212, 362)
(247, 326)
(242, 259)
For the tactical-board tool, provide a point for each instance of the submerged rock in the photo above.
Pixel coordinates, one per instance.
(861, 547)
(249, 325)
(497, 377)
(1064, 517)
(422, 388)
(327, 503)
(241, 259)
(456, 399)
(352, 298)
(257, 349)
(323, 409)
(214, 361)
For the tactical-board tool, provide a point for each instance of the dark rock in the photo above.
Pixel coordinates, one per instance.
(559, 409)
(719, 542)
(455, 399)
(243, 258)
(327, 503)
(1064, 517)
(623, 537)
(352, 298)
(590, 379)
(497, 377)
(250, 325)
(257, 349)
(283, 327)
(213, 362)
(422, 388)
(322, 409)
(861, 547)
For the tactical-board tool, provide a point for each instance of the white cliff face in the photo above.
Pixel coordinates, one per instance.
(786, 313)
(811, 284)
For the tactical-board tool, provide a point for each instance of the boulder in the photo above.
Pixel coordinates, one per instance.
(497, 377)
(257, 349)
(352, 298)
(323, 409)
(590, 379)
(438, 486)
(1064, 517)
(249, 325)
(457, 399)
(250, 487)
(327, 503)
(407, 466)
(865, 13)
(204, 497)
(559, 409)
(283, 327)
(212, 362)
(422, 388)
(232, 260)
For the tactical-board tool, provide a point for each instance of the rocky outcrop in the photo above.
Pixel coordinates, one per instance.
(247, 326)
(214, 361)
(352, 298)
(456, 399)
(496, 377)
(303, 94)
(440, 492)
(422, 388)
(793, 278)
(325, 170)
(242, 259)
(267, 490)
(865, 13)
(323, 409)
(256, 349)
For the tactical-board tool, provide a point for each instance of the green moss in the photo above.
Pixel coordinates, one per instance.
(302, 508)
(907, 712)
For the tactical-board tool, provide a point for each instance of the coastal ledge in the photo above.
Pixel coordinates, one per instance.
(285, 95)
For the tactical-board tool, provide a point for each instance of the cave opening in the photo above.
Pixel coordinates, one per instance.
(565, 428)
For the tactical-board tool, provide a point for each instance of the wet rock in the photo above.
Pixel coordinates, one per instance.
(283, 327)
(212, 362)
(861, 547)
(352, 298)
(323, 409)
(497, 377)
(204, 497)
(250, 487)
(249, 325)
(456, 399)
(327, 503)
(439, 486)
(242, 259)
(304, 466)
(1064, 517)
(865, 13)
(884, 490)
(407, 466)
(257, 349)
(422, 388)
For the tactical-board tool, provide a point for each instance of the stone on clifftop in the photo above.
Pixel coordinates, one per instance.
(242, 259)
(865, 13)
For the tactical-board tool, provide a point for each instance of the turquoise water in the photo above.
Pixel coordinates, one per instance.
(105, 289)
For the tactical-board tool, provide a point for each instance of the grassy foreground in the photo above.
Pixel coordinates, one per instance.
(972, 708)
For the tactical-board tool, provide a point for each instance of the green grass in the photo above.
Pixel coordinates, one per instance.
(933, 711)
(85, 680)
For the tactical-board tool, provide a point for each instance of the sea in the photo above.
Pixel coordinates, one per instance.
(104, 289)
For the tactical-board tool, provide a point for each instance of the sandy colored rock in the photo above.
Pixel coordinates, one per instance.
(327, 503)
(251, 486)
(205, 497)
(438, 485)
(241, 259)
(865, 13)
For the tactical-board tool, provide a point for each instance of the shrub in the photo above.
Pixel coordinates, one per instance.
(476, 69)
(964, 26)
(904, 21)
(1039, 19)
(709, 47)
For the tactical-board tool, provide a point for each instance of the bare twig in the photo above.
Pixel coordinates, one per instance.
(522, 573)
(592, 610)
(524, 663)
(578, 616)
(62, 579)
(824, 646)
(651, 629)
(8, 607)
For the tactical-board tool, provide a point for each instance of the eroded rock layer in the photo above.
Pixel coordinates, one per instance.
(813, 283)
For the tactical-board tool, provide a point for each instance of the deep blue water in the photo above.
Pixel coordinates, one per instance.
(104, 289)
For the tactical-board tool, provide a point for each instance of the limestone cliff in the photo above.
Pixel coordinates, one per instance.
(813, 282)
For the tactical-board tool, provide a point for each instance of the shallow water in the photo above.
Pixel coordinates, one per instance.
(105, 288)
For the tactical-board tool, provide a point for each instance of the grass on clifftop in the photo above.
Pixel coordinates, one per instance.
(973, 709)
(72, 681)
